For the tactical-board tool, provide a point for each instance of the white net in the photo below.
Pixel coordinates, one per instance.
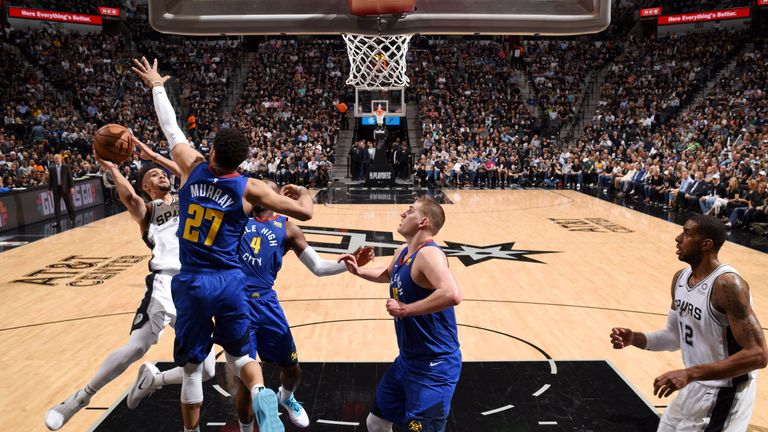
(377, 61)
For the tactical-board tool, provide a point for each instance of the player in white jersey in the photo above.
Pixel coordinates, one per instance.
(158, 220)
(712, 322)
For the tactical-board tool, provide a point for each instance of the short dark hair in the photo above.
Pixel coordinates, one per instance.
(231, 148)
(711, 228)
(145, 168)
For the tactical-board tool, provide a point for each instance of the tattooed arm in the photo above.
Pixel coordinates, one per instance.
(731, 296)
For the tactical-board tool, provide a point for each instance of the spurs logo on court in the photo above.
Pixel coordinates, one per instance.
(598, 225)
(385, 245)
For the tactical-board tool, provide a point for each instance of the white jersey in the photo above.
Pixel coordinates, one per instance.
(163, 222)
(705, 336)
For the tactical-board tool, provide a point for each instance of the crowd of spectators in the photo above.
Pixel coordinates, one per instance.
(710, 158)
(642, 145)
(647, 140)
(470, 104)
(559, 69)
(71, 83)
(288, 109)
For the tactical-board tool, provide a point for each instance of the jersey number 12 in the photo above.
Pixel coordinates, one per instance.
(687, 332)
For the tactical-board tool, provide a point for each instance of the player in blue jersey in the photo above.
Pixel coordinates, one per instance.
(214, 204)
(416, 391)
(266, 239)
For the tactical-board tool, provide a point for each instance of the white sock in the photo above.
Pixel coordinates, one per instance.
(246, 427)
(283, 394)
(171, 376)
(255, 390)
(197, 429)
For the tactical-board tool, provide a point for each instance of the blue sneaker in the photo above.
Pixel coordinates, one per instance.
(296, 412)
(265, 409)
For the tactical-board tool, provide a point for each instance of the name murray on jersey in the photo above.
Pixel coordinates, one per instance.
(211, 192)
(270, 236)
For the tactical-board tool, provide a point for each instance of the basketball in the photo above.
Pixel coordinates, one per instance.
(113, 142)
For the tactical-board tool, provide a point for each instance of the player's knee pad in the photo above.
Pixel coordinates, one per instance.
(209, 367)
(237, 363)
(192, 384)
(377, 424)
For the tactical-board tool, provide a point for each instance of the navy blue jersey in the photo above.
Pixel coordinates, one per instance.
(211, 220)
(261, 251)
(424, 336)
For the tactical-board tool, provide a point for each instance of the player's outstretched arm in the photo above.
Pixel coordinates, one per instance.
(431, 265)
(731, 295)
(373, 274)
(309, 257)
(135, 205)
(294, 201)
(183, 154)
(150, 155)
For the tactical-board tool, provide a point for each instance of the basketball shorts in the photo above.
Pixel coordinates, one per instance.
(699, 407)
(201, 299)
(269, 333)
(416, 394)
(156, 308)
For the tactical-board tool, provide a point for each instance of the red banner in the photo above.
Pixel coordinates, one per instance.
(46, 15)
(725, 14)
(651, 12)
(762, 2)
(109, 11)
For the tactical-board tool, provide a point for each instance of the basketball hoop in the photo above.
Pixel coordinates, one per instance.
(377, 61)
(379, 113)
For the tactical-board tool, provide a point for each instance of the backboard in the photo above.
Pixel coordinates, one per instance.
(264, 17)
(391, 100)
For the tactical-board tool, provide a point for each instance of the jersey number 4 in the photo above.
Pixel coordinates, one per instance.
(256, 245)
(196, 215)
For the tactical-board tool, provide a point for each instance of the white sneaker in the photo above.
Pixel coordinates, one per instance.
(144, 385)
(59, 415)
(296, 412)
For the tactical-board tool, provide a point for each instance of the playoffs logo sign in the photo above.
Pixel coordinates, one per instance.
(385, 245)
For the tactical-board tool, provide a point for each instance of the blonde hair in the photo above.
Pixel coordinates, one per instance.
(433, 211)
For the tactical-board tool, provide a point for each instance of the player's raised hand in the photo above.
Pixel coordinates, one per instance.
(145, 152)
(364, 255)
(104, 163)
(621, 337)
(292, 191)
(350, 261)
(148, 72)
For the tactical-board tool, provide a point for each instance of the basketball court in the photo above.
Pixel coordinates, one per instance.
(545, 275)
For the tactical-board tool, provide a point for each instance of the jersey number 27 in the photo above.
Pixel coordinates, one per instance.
(196, 215)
